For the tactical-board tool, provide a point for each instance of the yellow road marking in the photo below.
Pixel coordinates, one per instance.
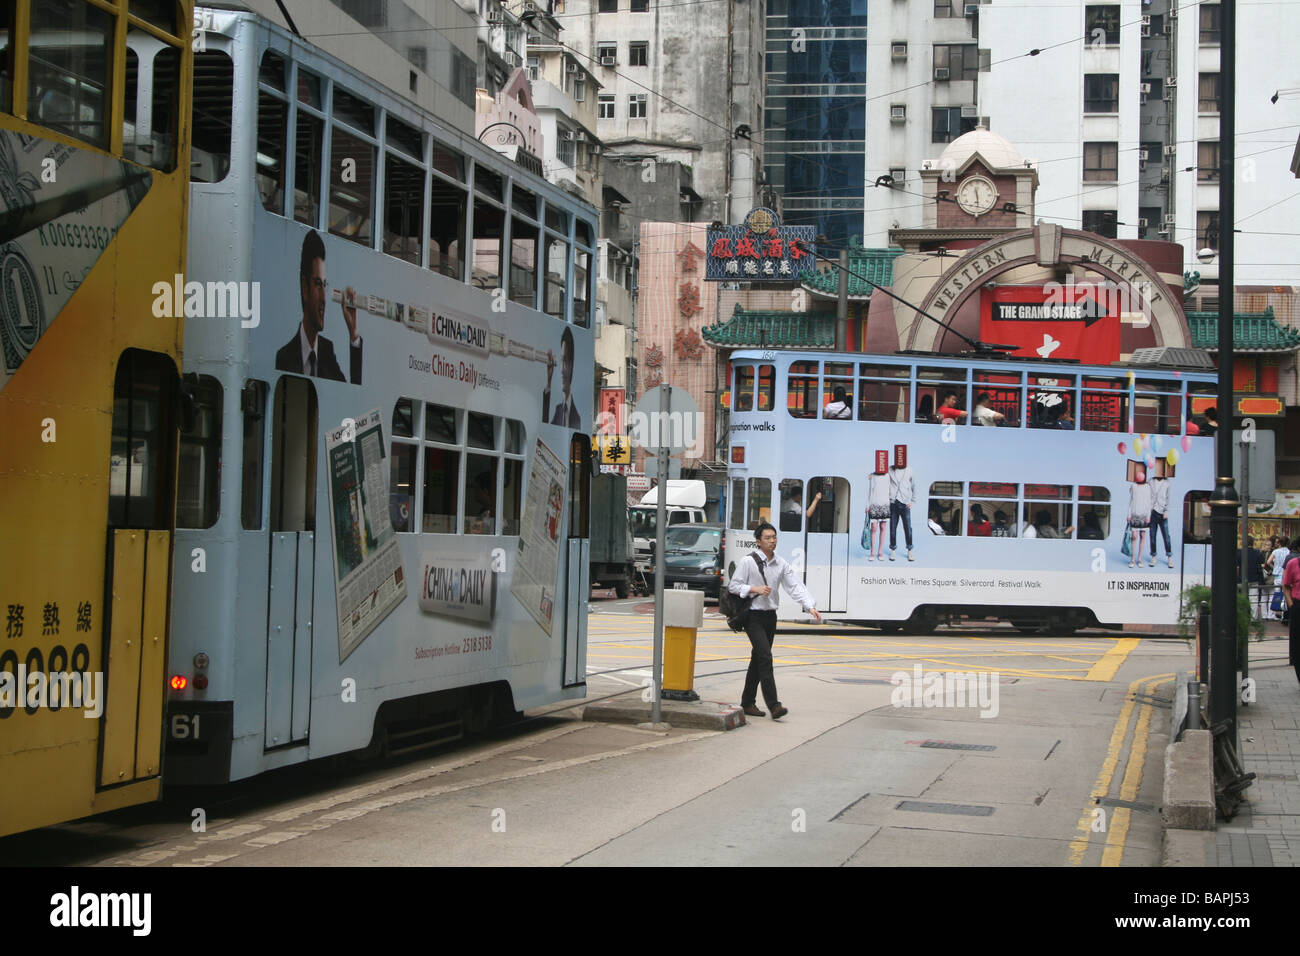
(1137, 755)
(1106, 668)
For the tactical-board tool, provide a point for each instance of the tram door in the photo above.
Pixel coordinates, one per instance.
(141, 479)
(826, 554)
(292, 562)
(577, 577)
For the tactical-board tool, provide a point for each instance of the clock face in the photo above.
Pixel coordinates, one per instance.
(977, 195)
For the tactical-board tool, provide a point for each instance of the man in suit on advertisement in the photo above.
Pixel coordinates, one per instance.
(566, 415)
(309, 352)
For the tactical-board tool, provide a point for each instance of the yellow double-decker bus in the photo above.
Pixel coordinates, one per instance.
(94, 176)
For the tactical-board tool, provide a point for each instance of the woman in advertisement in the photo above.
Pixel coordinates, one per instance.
(1139, 513)
(877, 508)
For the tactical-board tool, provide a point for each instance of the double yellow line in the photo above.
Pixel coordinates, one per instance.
(1120, 818)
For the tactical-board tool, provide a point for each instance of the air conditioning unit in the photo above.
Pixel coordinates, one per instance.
(969, 111)
(899, 175)
(897, 114)
(1173, 11)
(1167, 95)
(1168, 25)
(1142, 100)
(571, 68)
(608, 60)
(1146, 19)
(1142, 223)
(1171, 150)
(1171, 82)
(581, 137)
(898, 51)
(1144, 30)
(1144, 87)
(1168, 221)
(942, 73)
(1142, 163)
(569, 134)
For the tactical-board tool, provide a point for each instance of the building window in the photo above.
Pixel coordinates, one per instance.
(636, 106)
(948, 8)
(1100, 221)
(1151, 214)
(960, 60)
(607, 53)
(1101, 93)
(1100, 162)
(605, 106)
(1209, 93)
(947, 123)
(579, 88)
(638, 53)
(534, 67)
(1207, 161)
(1101, 23)
(1207, 230)
(640, 6)
(1211, 22)
(565, 150)
(608, 6)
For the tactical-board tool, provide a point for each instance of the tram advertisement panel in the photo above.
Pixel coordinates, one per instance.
(539, 540)
(369, 579)
(62, 207)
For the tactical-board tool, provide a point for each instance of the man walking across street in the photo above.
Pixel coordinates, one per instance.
(764, 579)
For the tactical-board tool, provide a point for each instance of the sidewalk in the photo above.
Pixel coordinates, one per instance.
(1266, 831)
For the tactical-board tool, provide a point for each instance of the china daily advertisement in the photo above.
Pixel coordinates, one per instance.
(368, 563)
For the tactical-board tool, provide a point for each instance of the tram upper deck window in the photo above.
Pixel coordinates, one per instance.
(1104, 404)
(153, 79)
(1050, 401)
(766, 388)
(403, 208)
(802, 389)
(523, 262)
(68, 77)
(447, 205)
(581, 273)
(744, 388)
(489, 231)
(274, 71)
(352, 187)
(1000, 391)
(198, 478)
(1157, 407)
(214, 77)
(884, 393)
(941, 396)
(309, 137)
(161, 13)
(737, 520)
(837, 391)
(557, 262)
(1201, 397)
(272, 138)
(353, 111)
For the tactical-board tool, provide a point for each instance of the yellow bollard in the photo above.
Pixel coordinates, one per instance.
(683, 617)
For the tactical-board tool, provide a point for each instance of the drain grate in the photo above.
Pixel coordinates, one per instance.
(949, 745)
(959, 809)
(1131, 805)
(862, 680)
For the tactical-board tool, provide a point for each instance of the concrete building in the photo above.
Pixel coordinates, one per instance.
(681, 83)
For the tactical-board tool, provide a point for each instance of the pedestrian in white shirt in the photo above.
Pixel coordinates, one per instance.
(765, 581)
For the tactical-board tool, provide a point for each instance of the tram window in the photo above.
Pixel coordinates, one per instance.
(253, 404)
(441, 487)
(1094, 513)
(1196, 517)
(583, 231)
(945, 507)
(403, 209)
(1050, 400)
(272, 122)
(293, 455)
(737, 522)
(1002, 398)
(1157, 414)
(158, 80)
(883, 401)
(401, 485)
(524, 201)
(1104, 405)
(489, 183)
(446, 228)
(352, 188)
(480, 494)
(274, 71)
(447, 161)
(997, 503)
(557, 219)
(306, 168)
(744, 388)
(440, 424)
(514, 436)
(1051, 520)
(489, 229)
(557, 261)
(581, 270)
(356, 112)
(139, 492)
(512, 495)
(766, 387)
(481, 430)
(68, 78)
(760, 500)
(309, 90)
(791, 505)
(404, 418)
(6, 56)
(523, 263)
(579, 485)
(198, 479)
(837, 393)
(214, 77)
(827, 505)
(161, 13)
(802, 390)
(398, 135)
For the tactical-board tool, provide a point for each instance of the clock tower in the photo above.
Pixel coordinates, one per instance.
(980, 182)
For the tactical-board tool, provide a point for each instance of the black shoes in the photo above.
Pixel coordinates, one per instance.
(753, 711)
(779, 711)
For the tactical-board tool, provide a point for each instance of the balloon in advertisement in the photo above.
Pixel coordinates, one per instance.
(1171, 456)
(1187, 443)
(1123, 448)
(1137, 446)
(1151, 461)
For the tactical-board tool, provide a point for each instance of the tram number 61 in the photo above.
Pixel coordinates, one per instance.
(185, 727)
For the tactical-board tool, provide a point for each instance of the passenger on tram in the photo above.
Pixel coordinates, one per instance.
(1043, 525)
(1091, 530)
(838, 407)
(1001, 527)
(935, 518)
(984, 415)
(979, 525)
(950, 411)
(925, 410)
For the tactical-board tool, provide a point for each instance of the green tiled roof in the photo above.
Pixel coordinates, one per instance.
(874, 264)
(1251, 332)
(795, 330)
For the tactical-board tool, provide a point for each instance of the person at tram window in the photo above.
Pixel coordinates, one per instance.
(1046, 529)
(838, 407)
(1001, 526)
(979, 525)
(1211, 424)
(1027, 529)
(1139, 514)
(936, 519)
(745, 402)
(1059, 416)
(983, 414)
(1091, 530)
(791, 509)
(925, 410)
(949, 410)
(1193, 428)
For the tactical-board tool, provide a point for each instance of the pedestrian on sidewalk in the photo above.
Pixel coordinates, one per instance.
(764, 580)
(1291, 593)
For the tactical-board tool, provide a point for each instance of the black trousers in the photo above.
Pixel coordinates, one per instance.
(761, 628)
(1294, 644)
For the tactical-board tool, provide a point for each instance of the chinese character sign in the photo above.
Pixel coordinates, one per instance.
(760, 250)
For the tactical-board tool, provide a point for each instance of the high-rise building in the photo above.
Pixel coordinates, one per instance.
(814, 129)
